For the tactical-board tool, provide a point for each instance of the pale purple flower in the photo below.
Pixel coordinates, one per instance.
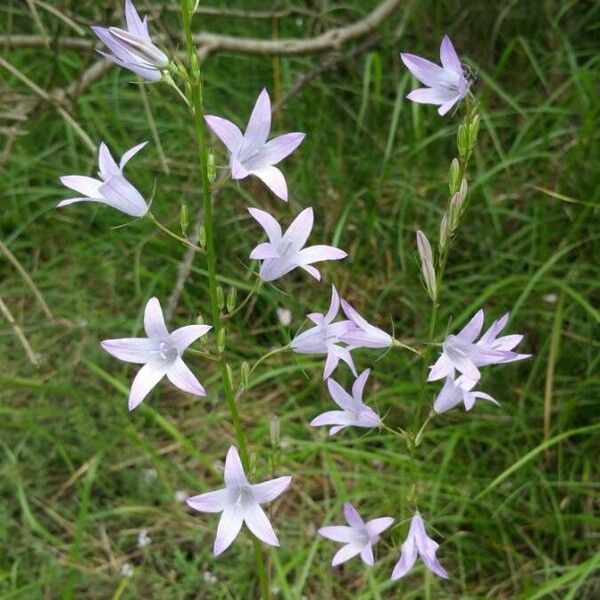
(462, 353)
(358, 537)
(456, 391)
(354, 413)
(283, 253)
(160, 353)
(418, 543)
(132, 47)
(111, 188)
(361, 334)
(446, 85)
(325, 337)
(240, 501)
(250, 153)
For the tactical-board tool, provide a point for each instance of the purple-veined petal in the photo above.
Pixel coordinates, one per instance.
(441, 368)
(376, 527)
(337, 533)
(88, 186)
(435, 95)
(434, 565)
(352, 517)
(473, 328)
(269, 490)
(424, 70)
(408, 557)
(134, 23)
(312, 271)
(132, 350)
(313, 254)
(344, 354)
(141, 49)
(449, 397)
(340, 396)
(154, 321)
(234, 471)
(333, 417)
(259, 524)
(367, 417)
(180, 376)
(187, 335)
(268, 223)
(366, 555)
(345, 553)
(299, 230)
(106, 163)
(275, 150)
(331, 362)
(493, 330)
(448, 56)
(216, 501)
(127, 156)
(465, 366)
(121, 53)
(229, 526)
(273, 178)
(264, 251)
(447, 106)
(334, 306)
(120, 194)
(274, 268)
(229, 133)
(359, 385)
(148, 73)
(259, 124)
(146, 379)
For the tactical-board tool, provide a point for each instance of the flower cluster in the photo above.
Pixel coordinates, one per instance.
(334, 334)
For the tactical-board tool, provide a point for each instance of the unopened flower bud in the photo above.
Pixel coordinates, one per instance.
(200, 319)
(231, 299)
(211, 168)
(229, 374)
(220, 298)
(427, 269)
(462, 140)
(184, 218)
(453, 175)
(444, 233)
(202, 237)
(221, 341)
(275, 431)
(245, 375)
(456, 205)
(474, 130)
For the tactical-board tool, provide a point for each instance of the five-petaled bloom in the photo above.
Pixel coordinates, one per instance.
(283, 253)
(354, 413)
(446, 85)
(418, 543)
(325, 337)
(462, 353)
(358, 537)
(361, 334)
(456, 391)
(160, 353)
(240, 501)
(111, 188)
(250, 153)
(132, 47)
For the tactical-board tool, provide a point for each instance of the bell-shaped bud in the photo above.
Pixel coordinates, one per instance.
(275, 431)
(427, 268)
(221, 337)
(202, 236)
(184, 218)
(462, 140)
(445, 233)
(456, 205)
(220, 297)
(211, 167)
(229, 374)
(474, 130)
(231, 299)
(245, 375)
(454, 175)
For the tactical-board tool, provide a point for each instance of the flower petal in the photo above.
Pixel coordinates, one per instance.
(333, 417)
(146, 379)
(299, 230)
(345, 553)
(352, 517)
(473, 328)
(180, 376)
(263, 251)
(408, 557)
(359, 385)
(435, 95)
(120, 194)
(337, 533)
(216, 501)
(376, 527)
(449, 397)
(187, 335)
(334, 306)
(275, 150)
(88, 186)
(228, 529)
(273, 178)
(259, 124)
(268, 223)
(442, 367)
(154, 321)
(134, 24)
(106, 163)
(259, 524)
(424, 70)
(234, 471)
(318, 253)
(340, 396)
(445, 108)
(448, 56)
(132, 350)
(269, 490)
(127, 156)
(229, 133)
(366, 555)
(312, 271)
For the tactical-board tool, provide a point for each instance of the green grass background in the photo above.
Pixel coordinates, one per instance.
(517, 515)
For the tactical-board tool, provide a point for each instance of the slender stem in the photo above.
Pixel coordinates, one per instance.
(399, 344)
(179, 238)
(397, 432)
(421, 431)
(245, 301)
(267, 355)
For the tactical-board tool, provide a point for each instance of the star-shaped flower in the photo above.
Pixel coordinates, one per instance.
(446, 85)
(132, 47)
(250, 153)
(325, 337)
(354, 413)
(283, 253)
(240, 501)
(363, 334)
(418, 543)
(160, 353)
(462, 353)
(456, 391)
(111, 188)
(358, 537)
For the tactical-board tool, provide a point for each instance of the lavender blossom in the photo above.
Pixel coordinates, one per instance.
(250, 153)
(111, 188)
(325, 337)
(283, 253)
(240, 501)
(418, 543)
(354, 413)
(358, 537)
(361, 334)
(456, 391)
(446, 85)
(160, 353)
(132, 47)
(463, 354)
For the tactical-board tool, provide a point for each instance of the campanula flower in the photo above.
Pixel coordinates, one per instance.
(354, 413)
(283, 253)
(446, 85)
(250, 153)
(325, 337)
(418, 543)
(456, 391)
(361, 334)
(462, 353)
(358, 537)
(160, 353)
(239, 502)
(111, 188)
(132, 47)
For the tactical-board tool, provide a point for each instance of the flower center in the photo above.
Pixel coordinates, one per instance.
(244, 496)
(167, 351)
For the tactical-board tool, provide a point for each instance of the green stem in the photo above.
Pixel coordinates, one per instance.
(179, 238)
(245, 301)
(198, 112)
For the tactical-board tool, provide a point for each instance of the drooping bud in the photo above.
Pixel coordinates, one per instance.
(221, 341)
(462, 140)
(220, 297)
(454, 175)
(245, 375)
(444, 233)
(456, 205)
(211, 167)
(202, 236)
(231, 299)
(184, 218)
(275, 432)
(427, 269)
